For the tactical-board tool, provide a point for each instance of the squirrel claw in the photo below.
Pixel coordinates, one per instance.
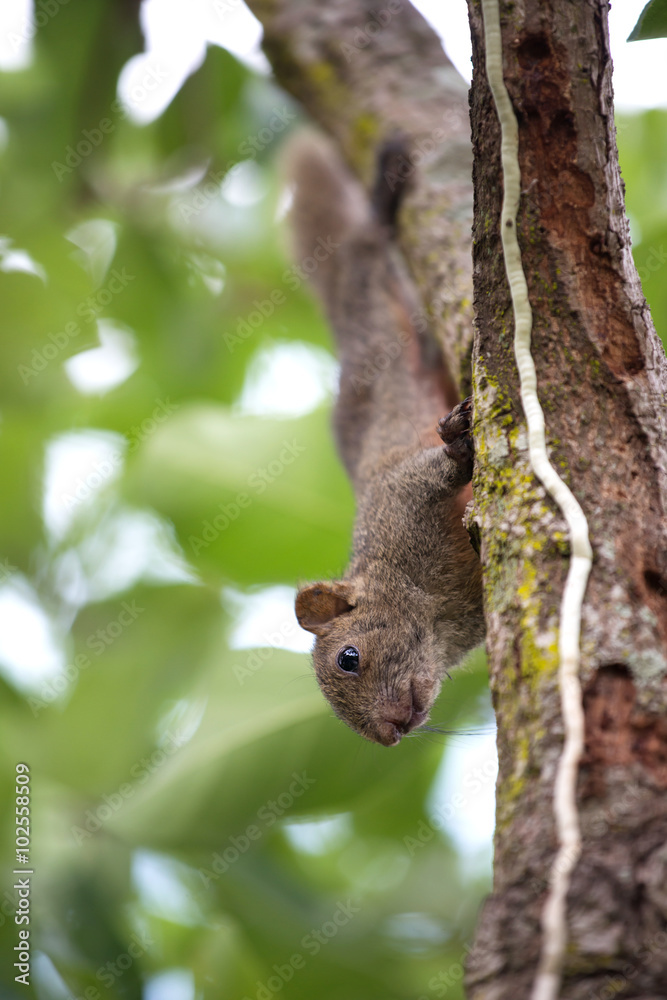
(454, 429)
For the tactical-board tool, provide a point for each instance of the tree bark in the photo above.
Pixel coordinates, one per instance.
(602, 380)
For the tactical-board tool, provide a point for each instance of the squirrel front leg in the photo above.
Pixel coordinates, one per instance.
(442, 471)
(454, 429)
(411, 513)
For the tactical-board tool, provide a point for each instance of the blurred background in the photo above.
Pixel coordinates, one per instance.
(201, 825)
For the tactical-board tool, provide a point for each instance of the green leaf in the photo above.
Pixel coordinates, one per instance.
(652, 22)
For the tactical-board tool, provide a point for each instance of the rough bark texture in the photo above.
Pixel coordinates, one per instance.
(365, 71)
(602, 380)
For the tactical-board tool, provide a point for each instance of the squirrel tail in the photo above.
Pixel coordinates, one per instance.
(327, 204)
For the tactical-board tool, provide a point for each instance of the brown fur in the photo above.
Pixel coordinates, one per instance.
(410, 602)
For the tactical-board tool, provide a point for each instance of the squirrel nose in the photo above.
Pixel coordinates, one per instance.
(399, 718)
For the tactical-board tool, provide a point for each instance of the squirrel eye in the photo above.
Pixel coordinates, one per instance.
(348, 659)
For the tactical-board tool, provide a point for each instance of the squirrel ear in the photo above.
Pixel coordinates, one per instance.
(319, 603)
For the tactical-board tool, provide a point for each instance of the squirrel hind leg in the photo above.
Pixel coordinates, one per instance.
(393, 176)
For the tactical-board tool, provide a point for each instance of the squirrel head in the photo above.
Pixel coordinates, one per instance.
(377, 668)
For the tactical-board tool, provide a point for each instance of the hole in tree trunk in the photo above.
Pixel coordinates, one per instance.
(618, 733)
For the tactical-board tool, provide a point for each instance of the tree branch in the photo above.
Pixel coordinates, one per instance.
(364, 73)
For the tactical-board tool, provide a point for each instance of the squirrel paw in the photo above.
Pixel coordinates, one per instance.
(454, 429)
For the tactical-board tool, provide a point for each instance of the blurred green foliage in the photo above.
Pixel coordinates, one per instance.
(168, 767)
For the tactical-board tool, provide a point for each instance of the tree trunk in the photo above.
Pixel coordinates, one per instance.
(602, 381)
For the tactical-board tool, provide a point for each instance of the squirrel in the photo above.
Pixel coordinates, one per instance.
(409, 606)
